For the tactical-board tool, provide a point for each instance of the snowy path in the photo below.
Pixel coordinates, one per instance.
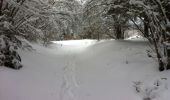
(104, 70)
(69, 83)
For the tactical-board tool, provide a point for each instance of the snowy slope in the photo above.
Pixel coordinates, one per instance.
(84, 70)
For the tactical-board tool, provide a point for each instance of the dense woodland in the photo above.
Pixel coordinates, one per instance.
(43, 21)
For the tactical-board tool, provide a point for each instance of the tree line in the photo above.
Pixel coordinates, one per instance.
(150, 17)
(47, 20)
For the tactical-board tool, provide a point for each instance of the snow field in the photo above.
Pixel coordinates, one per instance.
(84, 70)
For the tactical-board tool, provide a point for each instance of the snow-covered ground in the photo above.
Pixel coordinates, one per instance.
(85, 70)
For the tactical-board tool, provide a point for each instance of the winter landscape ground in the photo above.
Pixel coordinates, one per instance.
(86, 70)
(84, 49)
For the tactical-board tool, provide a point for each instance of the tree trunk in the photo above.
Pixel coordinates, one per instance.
(146, 27)
(167, 11)
(98, 36)
(119, 33)
(1, 4)
(159, 58)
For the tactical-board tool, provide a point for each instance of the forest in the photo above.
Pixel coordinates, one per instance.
(26, 23)
(51, 20)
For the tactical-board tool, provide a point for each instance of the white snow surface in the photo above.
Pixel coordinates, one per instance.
(84, 70)
(136, 37)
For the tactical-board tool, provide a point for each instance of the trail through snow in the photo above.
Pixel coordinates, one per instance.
(83, 70)
(69, 84)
